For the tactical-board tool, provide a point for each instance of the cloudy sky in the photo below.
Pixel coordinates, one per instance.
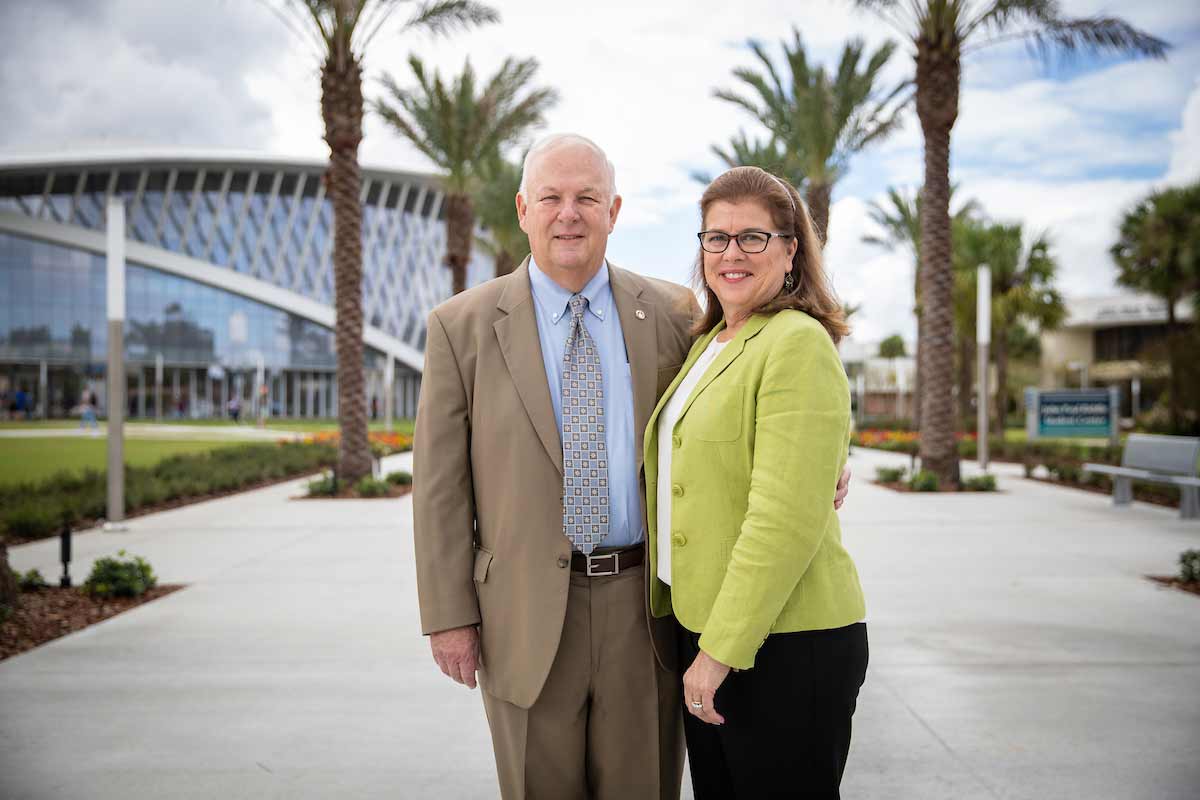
(1064, 148)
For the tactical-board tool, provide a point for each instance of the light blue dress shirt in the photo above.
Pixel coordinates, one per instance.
(603, 323)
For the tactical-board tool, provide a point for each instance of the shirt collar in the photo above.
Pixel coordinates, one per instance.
(555, 299)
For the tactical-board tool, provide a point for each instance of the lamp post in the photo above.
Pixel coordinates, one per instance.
(983, 336)
(116, 363)
(389, 390)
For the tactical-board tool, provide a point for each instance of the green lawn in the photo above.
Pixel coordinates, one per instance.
(399, 425)
(36, 458)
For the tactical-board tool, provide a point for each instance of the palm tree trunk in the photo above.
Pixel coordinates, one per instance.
(1000, 343)
(1174, 401)
(966, 372)
(342, 111)
(460, 230)
(9, 593)
(505, 263)
(817, 197)
(917, 396)
(937, 106)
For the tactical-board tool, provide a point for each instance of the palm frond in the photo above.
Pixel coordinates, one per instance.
(444, 16)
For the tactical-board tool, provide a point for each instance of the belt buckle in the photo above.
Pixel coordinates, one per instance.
(594, 571)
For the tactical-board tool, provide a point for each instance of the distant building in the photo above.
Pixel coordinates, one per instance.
(880, 387)
(1117, 339)
(229, 277)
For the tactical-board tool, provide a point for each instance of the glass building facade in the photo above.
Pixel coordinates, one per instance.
(229, 285)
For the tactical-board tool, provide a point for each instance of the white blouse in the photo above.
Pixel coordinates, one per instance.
(666, 427)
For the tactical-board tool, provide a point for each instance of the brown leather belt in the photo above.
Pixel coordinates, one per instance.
(601, 564)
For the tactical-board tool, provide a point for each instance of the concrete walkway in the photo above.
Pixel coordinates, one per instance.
(1016, 652)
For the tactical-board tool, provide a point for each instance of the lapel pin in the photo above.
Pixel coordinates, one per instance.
(640, 314)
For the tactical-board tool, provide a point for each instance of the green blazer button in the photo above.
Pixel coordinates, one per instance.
(679, 540)
(677, 490)
(677, 440)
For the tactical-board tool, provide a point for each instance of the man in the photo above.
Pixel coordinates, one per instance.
(528, 501)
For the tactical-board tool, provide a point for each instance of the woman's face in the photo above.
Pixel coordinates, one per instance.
(744, 281)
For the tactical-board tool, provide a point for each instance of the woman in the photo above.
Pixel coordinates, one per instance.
(742, 456)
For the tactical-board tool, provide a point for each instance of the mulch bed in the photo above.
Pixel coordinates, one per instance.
(46, 614)
(1144, 495)
(179, 502)
(1193, 587)
(349, 493)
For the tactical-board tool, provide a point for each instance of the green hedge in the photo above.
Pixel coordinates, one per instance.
(37, 510)
(1063, 460)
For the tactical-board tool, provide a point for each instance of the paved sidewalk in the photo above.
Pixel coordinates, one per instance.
(1016, 652)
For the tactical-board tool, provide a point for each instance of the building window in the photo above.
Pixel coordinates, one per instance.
(1130, 342)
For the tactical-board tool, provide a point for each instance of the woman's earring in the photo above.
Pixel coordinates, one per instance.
(788, 282)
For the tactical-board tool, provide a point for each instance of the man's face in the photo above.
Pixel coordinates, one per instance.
(568, 210)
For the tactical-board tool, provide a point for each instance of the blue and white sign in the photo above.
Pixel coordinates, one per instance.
(1088, 413)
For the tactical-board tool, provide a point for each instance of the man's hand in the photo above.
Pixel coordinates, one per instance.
(456, 651)
(700, 684)
(843, 489)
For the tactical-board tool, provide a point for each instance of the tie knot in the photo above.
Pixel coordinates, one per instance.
(577, 302)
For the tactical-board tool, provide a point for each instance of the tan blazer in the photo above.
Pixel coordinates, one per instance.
(487, 470)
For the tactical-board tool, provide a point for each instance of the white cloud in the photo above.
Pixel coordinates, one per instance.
(1185, 159)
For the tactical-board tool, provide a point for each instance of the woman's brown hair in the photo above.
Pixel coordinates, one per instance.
(811, 291)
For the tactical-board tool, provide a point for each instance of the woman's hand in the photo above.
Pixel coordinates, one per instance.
(700, 684)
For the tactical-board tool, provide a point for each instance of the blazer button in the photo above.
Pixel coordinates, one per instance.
(679, 540)
(677, 440)
(563, 562)
(677, 490)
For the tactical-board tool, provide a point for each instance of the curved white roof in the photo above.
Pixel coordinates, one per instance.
(152, 155)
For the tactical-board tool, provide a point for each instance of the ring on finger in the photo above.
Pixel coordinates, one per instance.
(697, 704)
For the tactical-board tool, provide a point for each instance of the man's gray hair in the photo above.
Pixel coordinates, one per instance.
(554, 140)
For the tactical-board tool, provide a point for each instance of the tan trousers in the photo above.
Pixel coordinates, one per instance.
(608, 723)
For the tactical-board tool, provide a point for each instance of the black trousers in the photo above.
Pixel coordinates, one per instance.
(787, 720)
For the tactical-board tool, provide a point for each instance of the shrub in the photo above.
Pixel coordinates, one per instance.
(30, 581)
(371, 487)
(323, 486)
(37, 510)
(1189, 566)
(399, 478)
(889, 474)
(979, 483)
(31, 521)
(120, 577)
(924, 481)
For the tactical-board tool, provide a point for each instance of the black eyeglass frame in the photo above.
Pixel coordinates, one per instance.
(738, 238)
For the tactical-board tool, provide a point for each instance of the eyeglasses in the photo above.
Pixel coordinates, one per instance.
(749, 242)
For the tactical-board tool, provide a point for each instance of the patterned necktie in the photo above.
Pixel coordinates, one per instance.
(585, 457)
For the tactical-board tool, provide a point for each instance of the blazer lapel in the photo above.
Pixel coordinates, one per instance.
(640, 331)
(517, 334)
(726, 357)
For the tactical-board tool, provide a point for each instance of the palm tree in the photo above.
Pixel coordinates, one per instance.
(765, 154)
(495, 203)
(900, 222)
(1158, 251)
(941, 32)
(819, 120)
(1022, 276)
(341, 31)
(461, 130)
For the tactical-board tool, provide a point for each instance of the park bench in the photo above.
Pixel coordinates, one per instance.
(1157, 459)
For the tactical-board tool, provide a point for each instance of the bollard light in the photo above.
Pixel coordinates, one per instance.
(65, 550)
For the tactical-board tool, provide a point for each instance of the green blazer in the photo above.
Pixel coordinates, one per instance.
(755, 543)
